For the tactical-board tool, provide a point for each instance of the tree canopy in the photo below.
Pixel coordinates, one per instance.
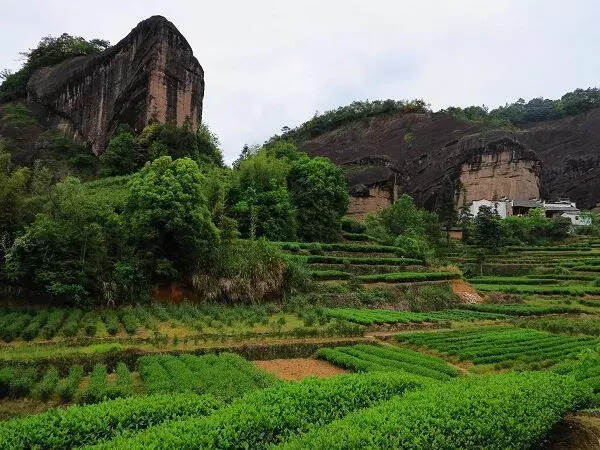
(50, 51)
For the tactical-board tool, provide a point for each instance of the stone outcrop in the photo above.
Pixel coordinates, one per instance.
(150, 75)
(569, 149)
(415, 151)
(510, 172)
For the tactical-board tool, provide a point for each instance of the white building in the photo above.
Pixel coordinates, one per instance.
(502, 207)
(506, 207)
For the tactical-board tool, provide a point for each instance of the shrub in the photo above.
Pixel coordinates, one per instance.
(33, 329)
(404, 277)
(111, 321)
(97, 389)
(72, 323)
(90, 323)
(22, 382)
(367, 358)
(92, 424)
(351, 225)
(55, 319)
(67, 388)
(506, 411)
(47, 385)
(129, 319)
(269, 416)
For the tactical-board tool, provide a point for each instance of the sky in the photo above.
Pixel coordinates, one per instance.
(274, 63)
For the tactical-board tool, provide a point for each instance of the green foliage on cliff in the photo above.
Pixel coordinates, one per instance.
(343, 115)
(535, 110)
(50, 51)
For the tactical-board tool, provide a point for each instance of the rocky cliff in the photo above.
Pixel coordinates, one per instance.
(415, 151)
(150, 75)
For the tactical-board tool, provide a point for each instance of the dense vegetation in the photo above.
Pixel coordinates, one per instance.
(343, 115)
(369, 358)
(50, 51)
(505, 347)
(372, 316)
(535, 110)
(508, 411)
(270, 416)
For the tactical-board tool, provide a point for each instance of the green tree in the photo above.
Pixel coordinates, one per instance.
(319, 193)
(487, 231)
(64, 253)
(259, 198)
(50, 51)
(121, 156)
(167, 217)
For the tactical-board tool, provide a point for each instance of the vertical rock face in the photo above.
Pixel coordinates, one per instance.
(149, 76)
(504, 173)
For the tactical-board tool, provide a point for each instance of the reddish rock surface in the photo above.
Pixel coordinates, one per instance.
(561, 157)
(150, 75)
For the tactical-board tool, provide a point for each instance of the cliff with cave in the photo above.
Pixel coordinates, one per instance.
(411, 153)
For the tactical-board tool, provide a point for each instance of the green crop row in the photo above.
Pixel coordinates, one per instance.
(542, 290)
(340, 247)
(405, 277)
(564, 248)
(225, 376)
(512, 280)
(508, 345)
(361, 237)
(370, 358)
(572, 276)
(330, 275)
(322, 259)
(92, 424)
(46, 323)
(584, 268)
(569, 325)
(520, 309)
(269, 416)
(371, 316)
(492, 412)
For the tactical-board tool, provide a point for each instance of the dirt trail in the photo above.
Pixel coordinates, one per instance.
(575, 431)
(300, 368)
(465, 291)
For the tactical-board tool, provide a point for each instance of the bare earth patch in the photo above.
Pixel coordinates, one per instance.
(465, 291)
(299, 368)
(575, 431)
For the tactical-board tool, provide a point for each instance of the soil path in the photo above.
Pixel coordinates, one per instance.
(300, 368)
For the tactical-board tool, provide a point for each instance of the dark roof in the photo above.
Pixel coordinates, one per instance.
(562, 208)
(527, 203)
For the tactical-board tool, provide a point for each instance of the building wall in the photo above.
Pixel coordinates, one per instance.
(378, 199)
(503, 207)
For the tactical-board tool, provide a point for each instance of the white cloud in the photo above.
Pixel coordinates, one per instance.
(273, 63)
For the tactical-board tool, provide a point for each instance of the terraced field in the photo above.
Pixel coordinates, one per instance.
(369, 358)
(505, 346)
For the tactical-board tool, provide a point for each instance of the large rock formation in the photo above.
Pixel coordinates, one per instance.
(569, 149)
(414, 152)
(150, 75)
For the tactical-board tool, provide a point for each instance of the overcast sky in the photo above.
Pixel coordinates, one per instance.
(273, 63)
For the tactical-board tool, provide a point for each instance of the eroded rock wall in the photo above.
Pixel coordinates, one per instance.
(378, 198)
(150, 75)
(499, 175)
